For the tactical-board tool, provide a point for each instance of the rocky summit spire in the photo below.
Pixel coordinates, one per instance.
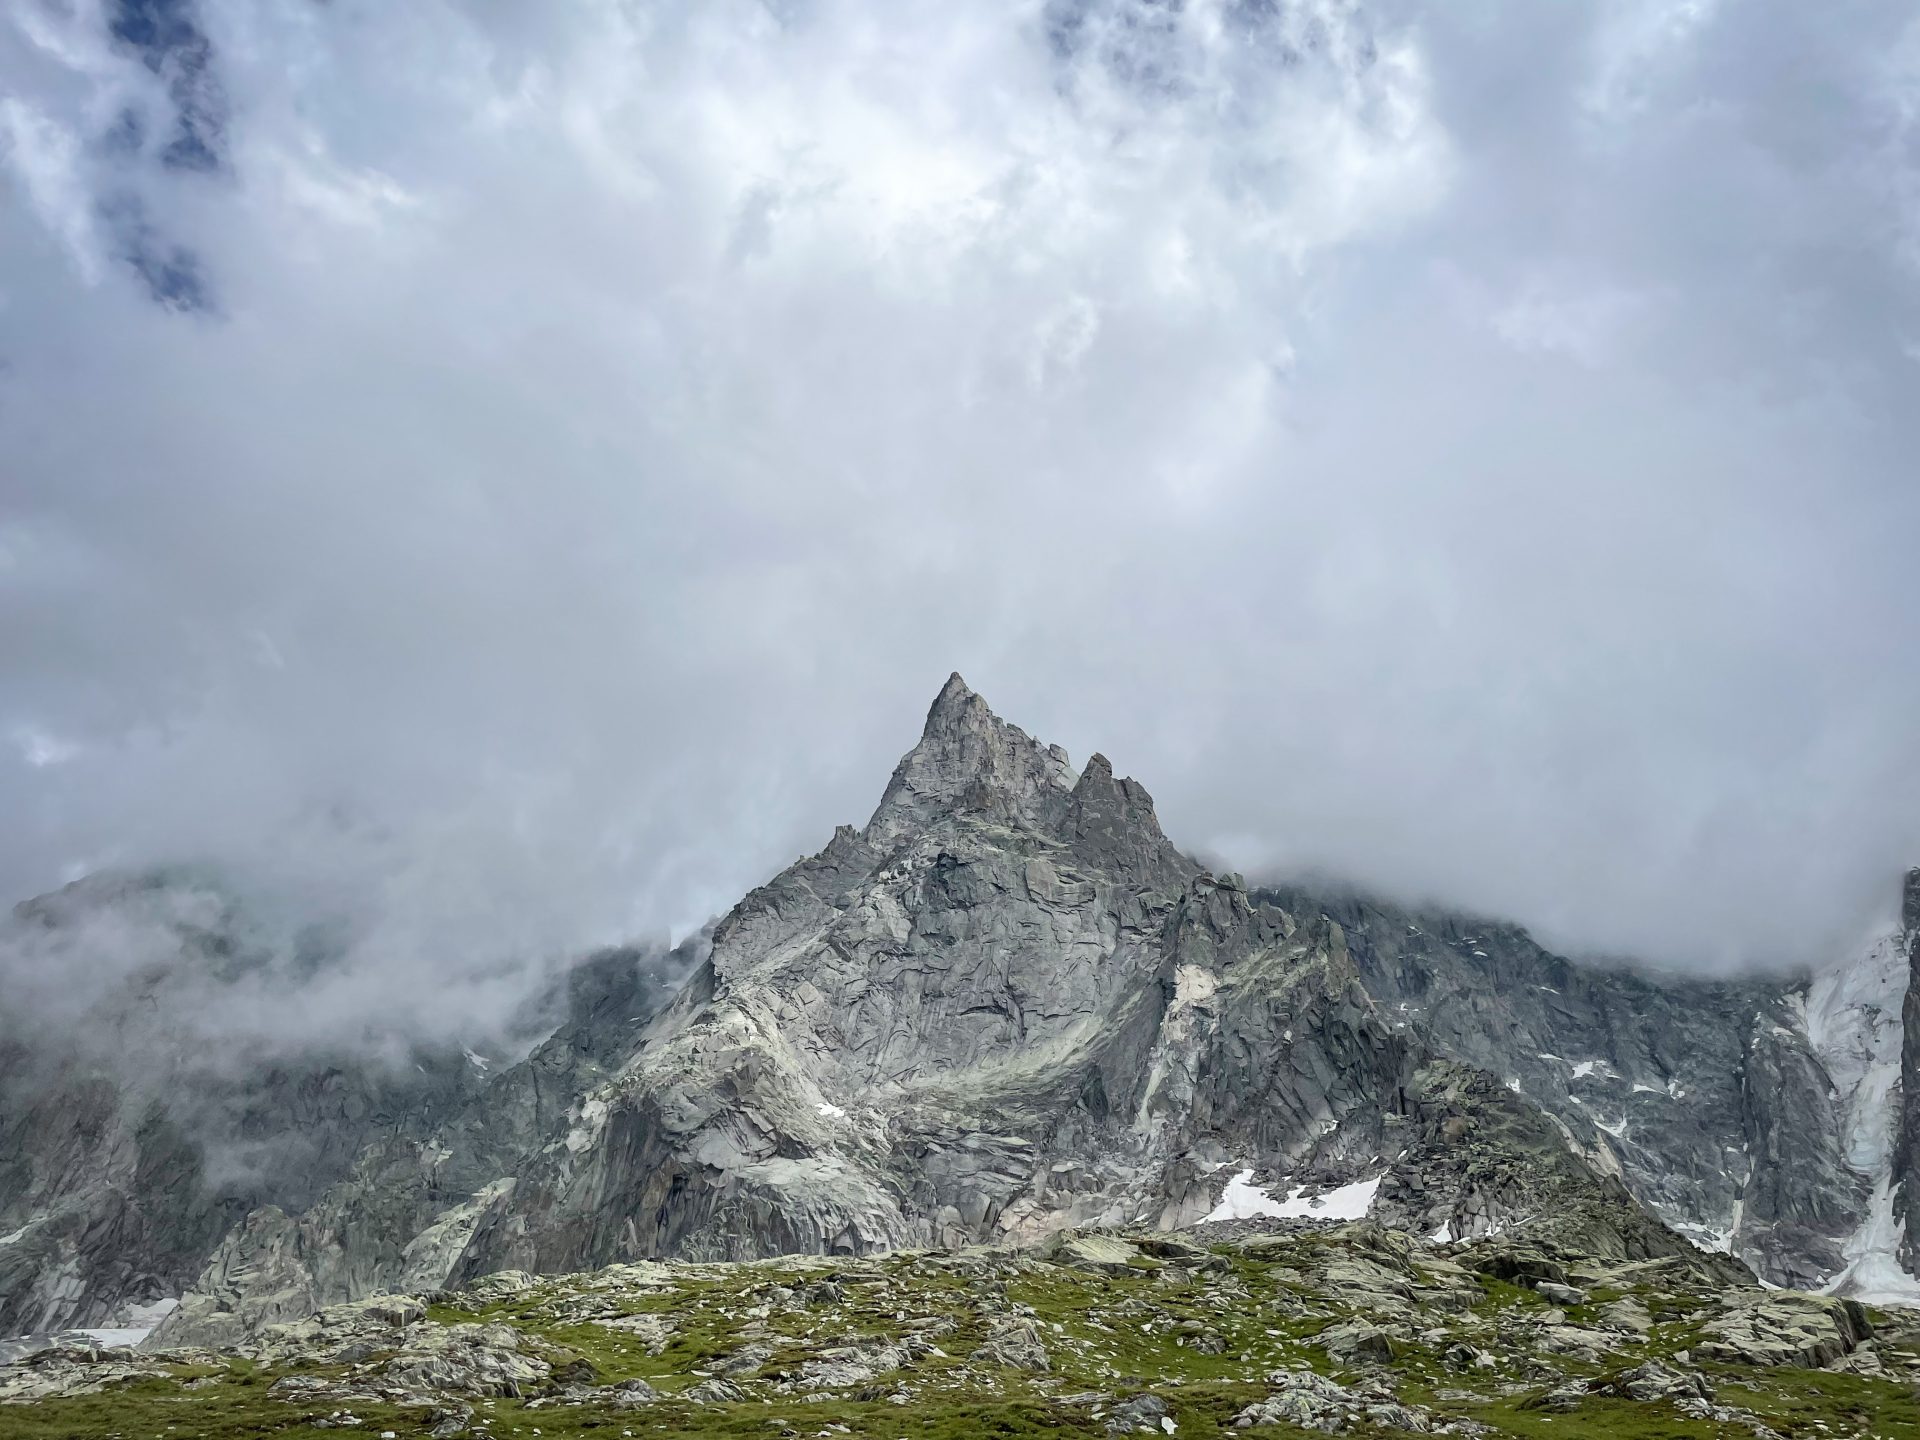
(1111, 822)
(970, 759)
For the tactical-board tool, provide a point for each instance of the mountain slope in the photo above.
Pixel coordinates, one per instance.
(128, 1148)
(1009, 1005)
(1005, 1006)
(1733, 1109)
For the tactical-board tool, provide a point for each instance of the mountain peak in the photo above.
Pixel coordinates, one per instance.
(957, 707)
(1113, 821)
(969, 759)
(955, 690)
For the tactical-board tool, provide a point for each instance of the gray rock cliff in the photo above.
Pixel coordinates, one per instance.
(1008, 1006)
(1907, 1145)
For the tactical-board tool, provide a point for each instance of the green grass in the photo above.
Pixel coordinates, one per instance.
(1114, 1334)
(232, 1410)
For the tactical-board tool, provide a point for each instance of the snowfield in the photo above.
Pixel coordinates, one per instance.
(1245, 1200)
(1853, 1024)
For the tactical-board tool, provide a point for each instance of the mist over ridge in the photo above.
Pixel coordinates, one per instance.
(510, 484)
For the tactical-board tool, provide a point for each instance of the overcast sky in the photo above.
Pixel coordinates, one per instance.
(522, 471)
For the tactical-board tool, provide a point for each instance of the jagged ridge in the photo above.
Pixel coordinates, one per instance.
(1009, 1005)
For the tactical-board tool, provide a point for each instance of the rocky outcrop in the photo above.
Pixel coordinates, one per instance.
(1307, 1401)
(969, 762)
(1783, 1328)
(1906, 1181)
(1801, 1199)
(1481, 1161)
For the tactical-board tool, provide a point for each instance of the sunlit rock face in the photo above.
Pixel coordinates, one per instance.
(1006, 1006)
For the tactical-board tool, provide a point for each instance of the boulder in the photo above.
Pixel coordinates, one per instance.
(1313, 1402)
(1627, 1316)
(629, 1394)
(1780, 1327)
(1108, 1254)
(1355, 1342)
(1015, 1344)
(1142, 1415)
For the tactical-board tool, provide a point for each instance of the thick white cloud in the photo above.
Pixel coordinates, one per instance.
(1466, 449)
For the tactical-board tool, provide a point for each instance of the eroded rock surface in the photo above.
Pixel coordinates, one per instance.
(1009, 1007)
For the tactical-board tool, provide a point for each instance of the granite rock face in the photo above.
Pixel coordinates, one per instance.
(1008, 1007)
(1907, 1150)
(1753, 1116)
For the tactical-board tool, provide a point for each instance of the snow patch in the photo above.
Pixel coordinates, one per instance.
(139, 1320)
(1873, 1274)
(1705, 1237)
(1852, 1017)
(831, 1111)
(113, 1335)
(1853, 1025)
(1244, 1200)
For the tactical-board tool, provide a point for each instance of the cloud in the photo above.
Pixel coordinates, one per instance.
(43, 160)
(527, 486)
(167, 38)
